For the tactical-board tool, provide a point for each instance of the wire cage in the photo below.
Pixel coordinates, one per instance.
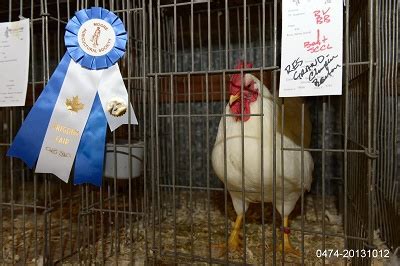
(161, 201)
(195, 46)
(43, 220)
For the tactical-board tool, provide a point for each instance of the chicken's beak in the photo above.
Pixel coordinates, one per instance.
(234, 98)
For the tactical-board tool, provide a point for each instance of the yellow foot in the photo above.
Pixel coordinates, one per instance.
(234, 241)
(287, 245)
(289, 249)
(234, 245)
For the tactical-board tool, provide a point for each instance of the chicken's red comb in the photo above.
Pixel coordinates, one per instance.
(235, 78)
(241, 64)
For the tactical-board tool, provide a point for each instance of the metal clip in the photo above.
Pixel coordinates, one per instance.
(372, 155)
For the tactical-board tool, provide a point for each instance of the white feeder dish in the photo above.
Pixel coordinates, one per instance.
(122, 154)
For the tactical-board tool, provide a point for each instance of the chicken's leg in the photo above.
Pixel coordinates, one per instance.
(234, 241)
(287, 245)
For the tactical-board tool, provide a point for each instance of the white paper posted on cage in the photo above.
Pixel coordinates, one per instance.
(312, 42)
(14, 62)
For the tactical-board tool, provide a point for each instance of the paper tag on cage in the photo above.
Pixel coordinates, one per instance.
(311, 63)
(14, 62)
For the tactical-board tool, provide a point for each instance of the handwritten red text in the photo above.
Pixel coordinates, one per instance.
(320, 44)
(322, 16)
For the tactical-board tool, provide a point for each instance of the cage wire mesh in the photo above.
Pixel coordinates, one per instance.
(196, 45)
(180, 57)
(45, 221)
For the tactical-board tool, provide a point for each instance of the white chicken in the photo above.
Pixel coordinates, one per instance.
(252, 153)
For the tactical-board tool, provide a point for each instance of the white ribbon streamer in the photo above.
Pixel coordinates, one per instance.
(112, 86)
(71, 113)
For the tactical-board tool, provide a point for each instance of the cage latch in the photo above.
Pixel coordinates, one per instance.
(371, 155)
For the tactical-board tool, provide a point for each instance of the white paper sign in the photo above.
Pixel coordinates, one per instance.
(14, 62)
(311, 62)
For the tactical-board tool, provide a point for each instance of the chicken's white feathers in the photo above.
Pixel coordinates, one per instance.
(253, 139)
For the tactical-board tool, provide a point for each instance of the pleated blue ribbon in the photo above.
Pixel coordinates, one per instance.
(90, 154)
(79, 55)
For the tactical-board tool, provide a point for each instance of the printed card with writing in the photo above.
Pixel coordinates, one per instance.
(312, 42)
(14, 62)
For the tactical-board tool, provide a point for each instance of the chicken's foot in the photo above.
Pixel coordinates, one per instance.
(287, 245)
(234, 241)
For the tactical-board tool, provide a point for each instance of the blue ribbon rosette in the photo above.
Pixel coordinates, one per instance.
(86, 91)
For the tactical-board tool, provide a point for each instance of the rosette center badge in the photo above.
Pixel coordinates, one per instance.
(85, 93)
(96, 37)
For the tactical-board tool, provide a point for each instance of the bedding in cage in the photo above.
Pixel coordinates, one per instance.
(195, 48)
